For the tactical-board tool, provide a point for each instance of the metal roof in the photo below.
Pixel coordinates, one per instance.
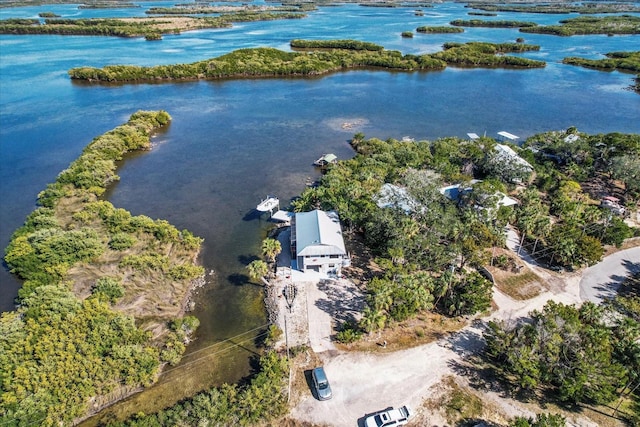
(391, 195)
(508, 135)
(329, 157)
(319, 233)
(506, 151)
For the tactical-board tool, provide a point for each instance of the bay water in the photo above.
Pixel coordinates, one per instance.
(232, 142)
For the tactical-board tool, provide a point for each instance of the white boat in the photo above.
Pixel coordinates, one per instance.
(268, 204)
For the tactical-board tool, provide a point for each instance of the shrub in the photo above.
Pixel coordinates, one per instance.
(185, 271)
(108, 287)
(145, 262)
(349, 332)
(121, 241)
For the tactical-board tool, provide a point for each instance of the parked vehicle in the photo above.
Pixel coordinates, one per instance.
(389, 417)
(321, 384)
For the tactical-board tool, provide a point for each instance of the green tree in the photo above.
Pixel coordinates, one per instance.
(271, 248)
(541, 420)
(257, 269)
(571, 351)
(626, 168)
(109, 288)
(373, 319)
(469, 294)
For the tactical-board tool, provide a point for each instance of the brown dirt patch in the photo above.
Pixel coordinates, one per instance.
(514, 278)
(169, 23)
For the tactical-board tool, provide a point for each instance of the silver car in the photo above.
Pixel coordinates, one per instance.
(321, 384)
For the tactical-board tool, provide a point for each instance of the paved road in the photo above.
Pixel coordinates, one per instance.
(603, 279)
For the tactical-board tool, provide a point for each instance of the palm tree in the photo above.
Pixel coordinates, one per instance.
(257, 269)
(372, 319)
(270, 249)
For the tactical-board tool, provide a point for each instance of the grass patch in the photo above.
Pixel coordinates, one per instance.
(521, 286)
(423, 329)
(457, 403)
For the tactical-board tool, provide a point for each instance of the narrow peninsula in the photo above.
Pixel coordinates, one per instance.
(102, 307)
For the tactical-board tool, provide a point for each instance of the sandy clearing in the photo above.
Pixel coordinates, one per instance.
(365, 382)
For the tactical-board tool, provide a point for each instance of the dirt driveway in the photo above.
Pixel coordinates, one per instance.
(366, 382)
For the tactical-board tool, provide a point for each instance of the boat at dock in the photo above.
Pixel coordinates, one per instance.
(268, 204)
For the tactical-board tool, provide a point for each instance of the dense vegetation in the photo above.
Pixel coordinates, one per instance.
(482, 14)
(84, 264)
(624, 24)
(491, 24)
(478, 54)
(589, 354)
(439, 30)
(262, 400)
(268, 62)
(429, 246)
(574, 171)
(104, 27)
(335, 44)
(134, 27)
(621, 61)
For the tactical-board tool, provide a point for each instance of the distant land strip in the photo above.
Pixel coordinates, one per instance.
(150, 28)
(585, 8)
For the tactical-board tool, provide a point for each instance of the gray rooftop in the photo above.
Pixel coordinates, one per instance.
(319, 233)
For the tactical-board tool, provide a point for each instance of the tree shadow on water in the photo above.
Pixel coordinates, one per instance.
(252, 215)
(238, 279)
(247, 259)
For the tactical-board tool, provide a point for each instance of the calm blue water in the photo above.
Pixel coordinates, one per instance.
(233, 142)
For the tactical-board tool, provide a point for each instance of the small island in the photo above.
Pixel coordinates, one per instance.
(610, 25)
(319, 57)
(491, 24)
(439, 30)
(627, 62)
(620, 61)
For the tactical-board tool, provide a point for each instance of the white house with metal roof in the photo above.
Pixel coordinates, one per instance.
(317, 243)
(507, 154)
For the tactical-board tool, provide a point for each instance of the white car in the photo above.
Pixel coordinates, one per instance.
(389, 417)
